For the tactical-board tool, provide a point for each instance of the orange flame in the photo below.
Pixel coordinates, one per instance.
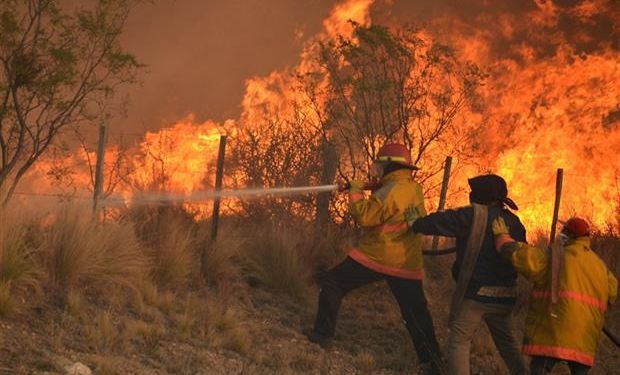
(560, 111)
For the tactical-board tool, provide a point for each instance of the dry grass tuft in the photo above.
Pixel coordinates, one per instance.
(19, 270)
(6, 304)
(102, 335)
(185, 323)
(189, 317)
(365, 362)
(167, 302)
(174, 257)
(169, 235)
(82, 253)
(220, 260)
(223, 328)
(237, 340)
(301, 361)
(148, 335)
(105, 365)
(75, 304)
(277, 259)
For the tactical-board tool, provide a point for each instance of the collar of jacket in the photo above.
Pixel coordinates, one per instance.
(581, 242)
(400, 174)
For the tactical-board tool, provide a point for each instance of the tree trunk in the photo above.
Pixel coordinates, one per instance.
(329, 156)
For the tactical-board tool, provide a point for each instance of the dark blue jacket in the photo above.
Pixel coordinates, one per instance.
(491, 269)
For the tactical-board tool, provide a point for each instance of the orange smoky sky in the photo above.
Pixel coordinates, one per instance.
(199, 53)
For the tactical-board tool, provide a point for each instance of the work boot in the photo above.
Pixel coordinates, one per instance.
(316, 338)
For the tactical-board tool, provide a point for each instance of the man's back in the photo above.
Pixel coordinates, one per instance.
(491, 270)
(571, 328)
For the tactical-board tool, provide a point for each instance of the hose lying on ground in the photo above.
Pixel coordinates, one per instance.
(433, 253)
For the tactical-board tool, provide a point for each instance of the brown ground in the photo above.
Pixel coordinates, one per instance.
(242, 313)
(260, 336)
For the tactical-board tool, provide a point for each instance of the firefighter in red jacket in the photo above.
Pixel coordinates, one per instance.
(388, 251)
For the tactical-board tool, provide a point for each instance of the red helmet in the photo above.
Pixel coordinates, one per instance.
(577, 227)
(396, 153)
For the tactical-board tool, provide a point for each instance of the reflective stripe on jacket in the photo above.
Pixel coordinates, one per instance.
(570, 329)
(386, 245)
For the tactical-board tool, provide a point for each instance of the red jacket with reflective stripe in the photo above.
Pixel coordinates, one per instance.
(570, 329)
(386, 244)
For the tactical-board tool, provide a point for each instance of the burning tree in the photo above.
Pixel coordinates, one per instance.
(394, 86)
(356, 93)
(59, 68)
(70, 170)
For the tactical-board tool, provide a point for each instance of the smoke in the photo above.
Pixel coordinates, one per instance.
(199, 54)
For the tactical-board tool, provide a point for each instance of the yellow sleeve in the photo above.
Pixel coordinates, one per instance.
(367, 212)
(531, 262)
(613, 287)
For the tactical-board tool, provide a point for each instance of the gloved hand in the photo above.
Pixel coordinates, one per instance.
(353, 186)
(499, 226)
(356, 186)
(502, 235)
(411, 215)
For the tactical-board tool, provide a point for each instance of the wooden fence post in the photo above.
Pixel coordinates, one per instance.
(559, 180)
(442, 196)
(557, 251)
(219, 174)
(97, 190)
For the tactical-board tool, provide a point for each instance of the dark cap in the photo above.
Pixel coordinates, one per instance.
(490, 188)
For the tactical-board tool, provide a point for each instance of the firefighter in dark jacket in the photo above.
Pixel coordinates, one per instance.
(486, 282)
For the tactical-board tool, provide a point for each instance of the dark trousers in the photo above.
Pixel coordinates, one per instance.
(543, 365)
(349, 275)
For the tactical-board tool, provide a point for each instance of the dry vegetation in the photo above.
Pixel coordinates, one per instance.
(148, 293)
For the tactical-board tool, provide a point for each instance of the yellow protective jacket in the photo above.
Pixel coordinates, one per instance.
(570, 329)
(386, 244)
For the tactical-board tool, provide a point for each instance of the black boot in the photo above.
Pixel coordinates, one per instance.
(317, 338)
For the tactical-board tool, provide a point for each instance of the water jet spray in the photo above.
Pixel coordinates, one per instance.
(201, 196)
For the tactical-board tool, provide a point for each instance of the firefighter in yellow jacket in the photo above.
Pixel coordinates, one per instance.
(388, 251)
(570, 329)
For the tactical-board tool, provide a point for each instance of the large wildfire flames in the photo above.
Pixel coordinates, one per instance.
(542, 108)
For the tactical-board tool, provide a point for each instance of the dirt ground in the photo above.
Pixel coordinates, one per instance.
(261, 337)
